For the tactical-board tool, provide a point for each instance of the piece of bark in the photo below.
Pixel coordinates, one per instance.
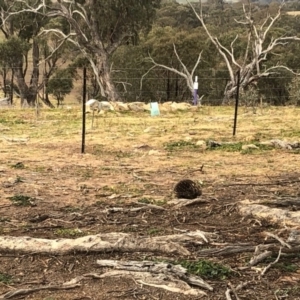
(162, 281)
(294, 237)
(22, 292)
(156, 268)
(259, 257)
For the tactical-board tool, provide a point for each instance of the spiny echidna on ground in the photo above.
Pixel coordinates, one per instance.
(187, 189)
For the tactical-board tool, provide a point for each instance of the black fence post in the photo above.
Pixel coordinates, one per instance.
(83, 110)
(236, 101)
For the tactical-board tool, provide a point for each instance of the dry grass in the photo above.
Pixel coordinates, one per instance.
(133, 158)
(172, 138)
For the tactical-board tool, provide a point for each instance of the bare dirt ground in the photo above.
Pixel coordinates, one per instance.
(132, 160)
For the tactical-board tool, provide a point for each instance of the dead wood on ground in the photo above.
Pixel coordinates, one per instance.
(114, 241)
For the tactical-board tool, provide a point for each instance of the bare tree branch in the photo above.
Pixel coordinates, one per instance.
(251, 68)
(188, 76)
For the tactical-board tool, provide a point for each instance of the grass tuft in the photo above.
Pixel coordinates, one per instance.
(207, 269)
(22, 200)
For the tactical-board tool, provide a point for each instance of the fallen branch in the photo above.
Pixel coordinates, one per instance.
(234, 291)
(22, 292)
(275, 215)
(227, 294)
(271, 264)
(162, 281)
(186, 202)
(144, 206)
(233, 249)
(259, 256)
(113, 241)
(285, 201)
(156, 268)
(283, 182)
(281, 241)
(294, 237)
(227, 250)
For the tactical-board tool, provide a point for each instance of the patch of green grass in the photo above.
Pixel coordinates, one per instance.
(207, 269)
(18, 121)
(290, 133)
(22, 200)
(178, 145)
(286, 267)
(237, 147)
(12, 121)
(145, 200)
(296, 151)
(261, 148)
(3, 121)
(5, 278)
(69, 232)
(230, 147)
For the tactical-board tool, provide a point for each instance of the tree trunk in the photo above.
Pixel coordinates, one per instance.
(12, 87)
(168, 86)
(4, 81)
(46, 100)
(29, 93)
(33, 89)
(104, 74)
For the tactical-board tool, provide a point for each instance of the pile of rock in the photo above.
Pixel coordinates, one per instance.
(141, 106)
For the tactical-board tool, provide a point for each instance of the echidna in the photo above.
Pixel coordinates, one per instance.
(187, 189)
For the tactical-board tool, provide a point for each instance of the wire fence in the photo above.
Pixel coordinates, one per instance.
(132, 86)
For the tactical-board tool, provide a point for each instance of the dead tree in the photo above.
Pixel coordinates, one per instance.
(260, 44)
(184, 72)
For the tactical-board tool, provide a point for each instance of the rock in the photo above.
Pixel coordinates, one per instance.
(249, 146)
(149, 129)
(136, 106)
(120, 106)
(153, 152)
(201, 144)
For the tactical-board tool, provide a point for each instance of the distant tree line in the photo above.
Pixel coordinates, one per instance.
(44, 47)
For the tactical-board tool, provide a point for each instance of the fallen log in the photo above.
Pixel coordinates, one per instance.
(114, 241)
(275, 215)
(22, 292)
